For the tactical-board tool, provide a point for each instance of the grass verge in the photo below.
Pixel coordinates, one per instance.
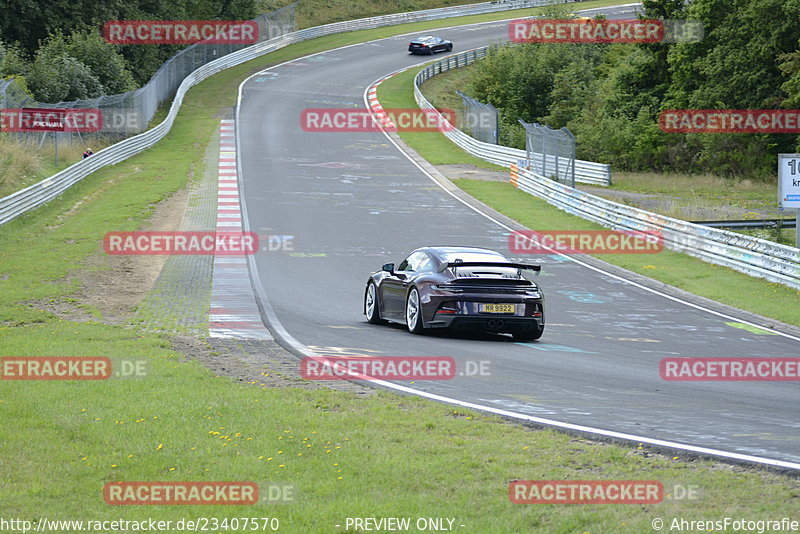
(712, 281)
(347, 457)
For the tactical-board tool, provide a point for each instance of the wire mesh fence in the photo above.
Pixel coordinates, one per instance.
(479, 120)
(550, 152)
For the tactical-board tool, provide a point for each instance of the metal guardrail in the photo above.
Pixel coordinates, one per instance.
(750, 255)
(586, 172)
(37, 194)
(749, 223)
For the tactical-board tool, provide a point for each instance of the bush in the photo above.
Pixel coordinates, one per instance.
(103, 59)
(58, 78)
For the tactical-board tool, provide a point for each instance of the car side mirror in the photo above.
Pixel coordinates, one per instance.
(388, 267)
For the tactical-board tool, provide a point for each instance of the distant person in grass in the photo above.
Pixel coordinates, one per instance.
(87, 153)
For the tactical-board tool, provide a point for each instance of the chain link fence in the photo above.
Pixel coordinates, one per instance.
(130, 113)
(479, 120)
(550, 152)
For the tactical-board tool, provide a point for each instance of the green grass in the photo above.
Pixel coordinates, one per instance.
(394, 93)
(315, 12)
(23, 163)
(750, 199)
(717, 283)
(346, 457)
(377, 457)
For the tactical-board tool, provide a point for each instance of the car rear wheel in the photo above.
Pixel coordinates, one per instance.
(528, 333)
(371, 304)
(414, 312)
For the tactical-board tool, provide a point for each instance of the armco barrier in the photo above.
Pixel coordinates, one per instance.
(750, 255)
(33, 196)
(586, 172)
(756, 257)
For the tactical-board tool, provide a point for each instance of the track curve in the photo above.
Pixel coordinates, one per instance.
(352, 201)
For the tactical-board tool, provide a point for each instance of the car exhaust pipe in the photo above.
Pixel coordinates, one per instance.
(495, 325)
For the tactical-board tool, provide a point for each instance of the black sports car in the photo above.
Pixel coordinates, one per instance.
(464, 288)
(429, 44)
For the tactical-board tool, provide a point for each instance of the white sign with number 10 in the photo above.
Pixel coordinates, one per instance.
(789, 181)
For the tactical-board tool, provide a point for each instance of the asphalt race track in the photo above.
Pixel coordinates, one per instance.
(353, 201)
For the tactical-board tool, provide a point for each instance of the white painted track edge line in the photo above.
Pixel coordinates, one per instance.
(299, 349)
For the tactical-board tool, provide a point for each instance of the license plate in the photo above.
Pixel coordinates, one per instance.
(497, 308)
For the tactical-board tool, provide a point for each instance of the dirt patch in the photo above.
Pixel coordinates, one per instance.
(113, 286)
(471, 172)
(119, 283)
(260, 363)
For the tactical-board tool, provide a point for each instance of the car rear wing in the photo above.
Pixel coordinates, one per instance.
(453, 265)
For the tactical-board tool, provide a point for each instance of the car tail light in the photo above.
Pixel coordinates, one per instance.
(448, 309)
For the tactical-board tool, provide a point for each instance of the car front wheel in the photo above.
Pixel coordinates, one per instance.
(371, 304)
(414, 312)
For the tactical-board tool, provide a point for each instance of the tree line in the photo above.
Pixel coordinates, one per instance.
(610, 96)
(55, 48)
